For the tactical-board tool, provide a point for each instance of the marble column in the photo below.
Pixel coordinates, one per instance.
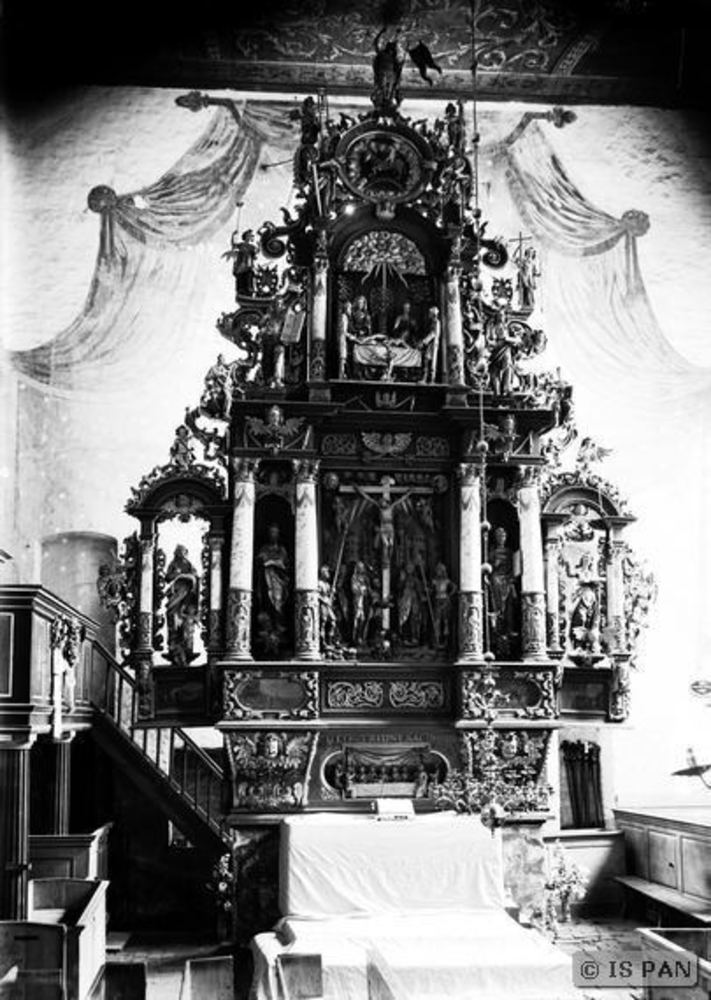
(306, 562)
(552, 553)
(143, 656)
(616, 591)
(319, 318)
(145, 599)
(14, 829)
(471, 634)
(216, 544)
(453, 325)
(239, 599)
(533, 610)
(60, 790)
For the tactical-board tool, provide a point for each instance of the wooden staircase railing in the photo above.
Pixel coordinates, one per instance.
(169, 752)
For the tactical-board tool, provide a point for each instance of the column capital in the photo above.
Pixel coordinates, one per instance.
(469, 473)
(216, 543)
(306, 469)
(529, 476)
(244, 469)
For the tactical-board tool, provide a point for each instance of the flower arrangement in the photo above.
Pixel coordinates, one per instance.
(566, 882)
(221, 883)
(467, 794)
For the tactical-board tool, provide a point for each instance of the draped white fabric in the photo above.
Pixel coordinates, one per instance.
(148, 276)
(418, 904)
(596, 300)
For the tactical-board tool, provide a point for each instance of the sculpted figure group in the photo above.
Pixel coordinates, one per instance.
(408, 344)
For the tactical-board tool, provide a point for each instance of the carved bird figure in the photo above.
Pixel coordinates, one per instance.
(386, 444)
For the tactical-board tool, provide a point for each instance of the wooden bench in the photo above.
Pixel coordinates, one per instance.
(671, 898)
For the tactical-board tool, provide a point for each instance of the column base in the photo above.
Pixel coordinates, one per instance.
(471, 631)
(533, 620)
(308, 645)
(239, 626)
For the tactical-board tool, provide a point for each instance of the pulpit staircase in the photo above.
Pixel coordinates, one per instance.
(165, 763)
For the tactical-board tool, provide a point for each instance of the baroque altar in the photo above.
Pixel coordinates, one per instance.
(399, 560)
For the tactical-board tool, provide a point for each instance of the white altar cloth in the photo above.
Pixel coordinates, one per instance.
(419, 901)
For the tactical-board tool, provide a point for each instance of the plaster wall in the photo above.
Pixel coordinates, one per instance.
(69, 459)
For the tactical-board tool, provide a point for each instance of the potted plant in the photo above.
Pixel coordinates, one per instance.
(221, 885)
(567, 881)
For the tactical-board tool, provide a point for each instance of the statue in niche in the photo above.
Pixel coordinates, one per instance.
(182, 607)
(405, 327)
(584, 623)
(243, 255)
(443, 591)
(181, 450)
(502, 593)
(409, 606)
(273, 578)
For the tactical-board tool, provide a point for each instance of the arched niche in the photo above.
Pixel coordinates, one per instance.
(183, 518)
(503, 582)
(385, 283)
(274, 554)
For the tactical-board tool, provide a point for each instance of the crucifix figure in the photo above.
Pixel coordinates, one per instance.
(383, 498)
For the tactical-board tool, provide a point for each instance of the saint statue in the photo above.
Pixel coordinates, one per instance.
(409, 606)
(388, 63)
(182, 605)
(243, 254)
(584, 625)
(405, 327)
(273, 575)
(361, 325)
(181, 450)
(502, 591)
(361, 593)
(327, 615)
(443, 590)
(217, 397)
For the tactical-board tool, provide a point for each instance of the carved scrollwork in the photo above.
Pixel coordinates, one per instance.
(355, 694)
(416, 694)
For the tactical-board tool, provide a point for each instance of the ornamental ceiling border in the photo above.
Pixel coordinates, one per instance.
(535, 51)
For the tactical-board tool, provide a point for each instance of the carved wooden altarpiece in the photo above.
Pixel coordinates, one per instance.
(395, 573)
